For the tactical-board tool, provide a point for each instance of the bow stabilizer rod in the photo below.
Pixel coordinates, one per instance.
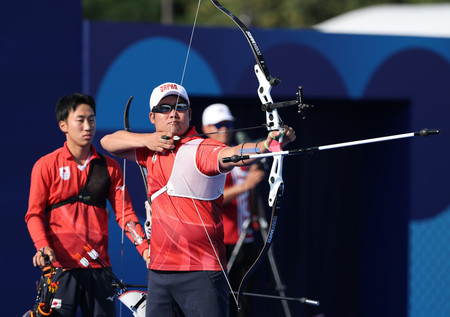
(424, 132)
(302, 300)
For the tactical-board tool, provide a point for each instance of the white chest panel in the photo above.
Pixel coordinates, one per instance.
(187, 181)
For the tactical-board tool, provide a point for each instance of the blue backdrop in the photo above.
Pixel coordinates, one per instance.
(361, 229)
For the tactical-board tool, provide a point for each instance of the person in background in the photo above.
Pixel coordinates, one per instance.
(186, 177)
(239, 202)
(67, 211)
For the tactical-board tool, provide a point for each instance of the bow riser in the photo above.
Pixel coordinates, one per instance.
(264, 89)
(273, 123)
(276, 180)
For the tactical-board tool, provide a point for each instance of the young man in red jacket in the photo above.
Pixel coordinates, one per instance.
(67, 210)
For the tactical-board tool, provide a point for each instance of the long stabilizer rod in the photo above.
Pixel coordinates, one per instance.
(423, 132)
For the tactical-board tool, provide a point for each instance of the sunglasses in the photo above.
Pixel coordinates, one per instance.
(168, 108)
(227, 124)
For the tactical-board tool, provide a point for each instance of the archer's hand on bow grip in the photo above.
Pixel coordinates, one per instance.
(272, 141)
(43, 256)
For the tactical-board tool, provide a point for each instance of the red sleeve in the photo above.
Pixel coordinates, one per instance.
(141, 156)
(208, 156)
(37, 202)
(124, 212)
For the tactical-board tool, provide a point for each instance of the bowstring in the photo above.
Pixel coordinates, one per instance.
(173, 154)
(187, 58)
(123, 228)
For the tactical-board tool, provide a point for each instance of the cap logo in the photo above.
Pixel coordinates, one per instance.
(165, 87)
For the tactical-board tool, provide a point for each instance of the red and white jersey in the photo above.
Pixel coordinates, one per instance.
(237, 211)
(66, 229)
(179, 241)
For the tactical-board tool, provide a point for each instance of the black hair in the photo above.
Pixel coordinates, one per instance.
(71, 102)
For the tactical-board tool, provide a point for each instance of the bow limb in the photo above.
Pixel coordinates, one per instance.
(126, 124)
(256, 51)
(265, 248)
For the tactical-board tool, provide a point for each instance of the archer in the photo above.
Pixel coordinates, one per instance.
(186, 176)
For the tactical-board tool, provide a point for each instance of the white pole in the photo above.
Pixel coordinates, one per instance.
(423, 132)
(381, 139)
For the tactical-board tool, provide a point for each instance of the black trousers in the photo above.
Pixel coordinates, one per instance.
(84, 289)
(189, 294)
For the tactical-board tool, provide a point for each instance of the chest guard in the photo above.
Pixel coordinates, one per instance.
(187, 181)
(96, 188)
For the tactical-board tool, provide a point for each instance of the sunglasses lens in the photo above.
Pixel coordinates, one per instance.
(168, 108)
(165, 108)
(182, 107)
(227, 125)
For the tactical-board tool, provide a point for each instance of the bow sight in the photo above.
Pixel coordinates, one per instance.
(269, 106)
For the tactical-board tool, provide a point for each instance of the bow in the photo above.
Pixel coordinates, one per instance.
(46, 290)
(126, 124)
(273, 120)
(134, 300)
